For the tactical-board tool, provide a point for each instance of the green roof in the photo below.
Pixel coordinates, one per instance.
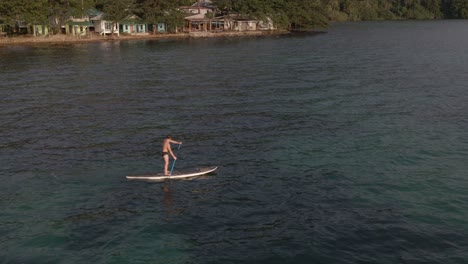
(132, 19)
(84, 23)
(132, 22)
(92, 12)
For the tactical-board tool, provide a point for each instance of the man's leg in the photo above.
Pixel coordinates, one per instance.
(166, 164)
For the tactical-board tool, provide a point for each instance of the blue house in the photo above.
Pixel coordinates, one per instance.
(159, 28)
(133, 24)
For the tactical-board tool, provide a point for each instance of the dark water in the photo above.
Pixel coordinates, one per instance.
(345, 147)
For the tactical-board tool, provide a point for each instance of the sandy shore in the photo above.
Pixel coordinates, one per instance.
(66, 39)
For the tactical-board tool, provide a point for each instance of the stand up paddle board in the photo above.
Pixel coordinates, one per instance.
(175, 174)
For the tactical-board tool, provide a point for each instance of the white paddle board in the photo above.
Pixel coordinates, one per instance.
(175, 174)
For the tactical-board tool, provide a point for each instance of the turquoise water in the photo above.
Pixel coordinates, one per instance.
(344, 147)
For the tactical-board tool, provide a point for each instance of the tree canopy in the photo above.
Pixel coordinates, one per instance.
(285, 14)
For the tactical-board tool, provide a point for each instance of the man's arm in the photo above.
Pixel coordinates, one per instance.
(172, 153)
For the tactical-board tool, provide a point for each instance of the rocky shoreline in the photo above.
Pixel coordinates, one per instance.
(66, 39)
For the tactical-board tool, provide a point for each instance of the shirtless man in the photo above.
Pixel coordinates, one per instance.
(166, 150)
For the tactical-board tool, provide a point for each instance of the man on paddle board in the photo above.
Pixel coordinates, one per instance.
(166, 150)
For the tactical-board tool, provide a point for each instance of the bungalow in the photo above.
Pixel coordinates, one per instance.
(192, 10)
(21, 27)
(245, 25)
(133, 24)
(104, 27)
(266, 24)
(200, 17)
(200, 7)
(82, 25)
(235, 22)
(78, 27)
(159, 27)
(199, 22)
(238, 23)
(3, 28)
(40, 30)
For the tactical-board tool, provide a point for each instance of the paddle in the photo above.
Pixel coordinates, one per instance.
(173, 164)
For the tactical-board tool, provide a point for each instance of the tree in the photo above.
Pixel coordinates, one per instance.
(459, 9)
(60, 11)
(24, 12)
(158, 11)
(174, 20)
(153, 11)
(36, 13)
(304, 14)
(117, 10)
(433, 6)
(284, 13)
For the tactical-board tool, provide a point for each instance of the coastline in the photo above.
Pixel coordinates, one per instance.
(66, 39)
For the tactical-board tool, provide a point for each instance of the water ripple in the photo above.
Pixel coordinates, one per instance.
(330, 149)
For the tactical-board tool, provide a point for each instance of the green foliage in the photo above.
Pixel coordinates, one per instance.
(59, 11)
(288, 14)
(154, 10)
(457, 8)
(163, 11)
(36, 12)
(24, 11)
(117, 10)
(419, 12)
(174, 20)
(433, 7)
(284, 13)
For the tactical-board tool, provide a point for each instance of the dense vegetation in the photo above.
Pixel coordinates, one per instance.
(305, 13)
(284, 13)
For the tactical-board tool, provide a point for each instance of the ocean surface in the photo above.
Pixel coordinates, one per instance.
(349, 146)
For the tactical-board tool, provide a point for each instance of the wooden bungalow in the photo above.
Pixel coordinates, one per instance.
(133, 24)
(82, 25)
(200, 18)
(202, 6)
(21, 27)
(79, 27)
(103, 26)
(197, 23)
(40, 30)
(266, 24)
(245, 25)
(193, 10)
(236, 22)
(159, 28)
(3, 28)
